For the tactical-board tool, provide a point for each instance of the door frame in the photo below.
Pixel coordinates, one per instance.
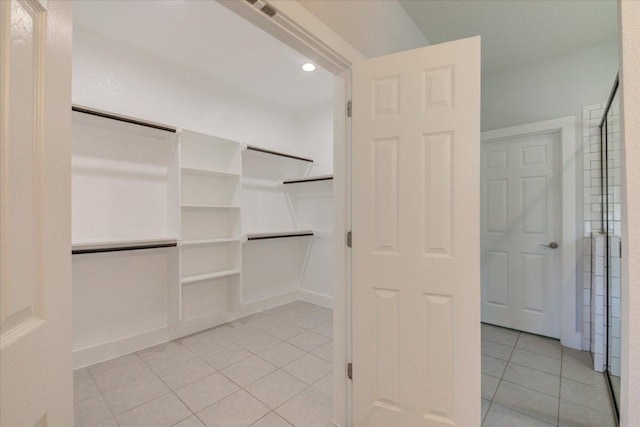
(571, 326)
(298, 28)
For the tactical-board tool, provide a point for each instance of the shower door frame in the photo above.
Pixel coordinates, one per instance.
(604, 212)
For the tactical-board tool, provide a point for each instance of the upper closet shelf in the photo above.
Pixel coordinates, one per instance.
(308, 179)
(192, 206)
(207, 172)
(121, 245)
(278, 153)
(208, 241)
(121, 118)
(279, 235)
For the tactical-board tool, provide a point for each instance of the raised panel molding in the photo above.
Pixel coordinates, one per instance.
(386, 93)
(439, 358)
(496, 205)
(19, 287)
(438, 188)
(534, 155)
(496, 159)
(438, 87)
(385, 181)
(497, 277)
(534, 205)
(386, 345)
(534, 282)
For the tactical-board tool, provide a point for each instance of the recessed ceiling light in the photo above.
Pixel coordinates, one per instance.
(309, 67)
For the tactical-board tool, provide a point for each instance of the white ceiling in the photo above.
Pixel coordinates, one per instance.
(207, 38)
(517, 32)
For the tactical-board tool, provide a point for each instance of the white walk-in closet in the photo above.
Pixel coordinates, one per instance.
(202, 194)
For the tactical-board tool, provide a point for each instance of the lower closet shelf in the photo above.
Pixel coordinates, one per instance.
(201, 277)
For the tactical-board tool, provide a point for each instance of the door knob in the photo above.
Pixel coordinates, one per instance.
(552, 245)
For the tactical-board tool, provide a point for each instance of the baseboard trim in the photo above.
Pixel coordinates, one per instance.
(263, 304)
(315, 298)
(110, 350)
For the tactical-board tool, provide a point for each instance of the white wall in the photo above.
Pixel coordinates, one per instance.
(373, 27)
(557, 87)
(314, 203)
(114, 77)
(630, 101)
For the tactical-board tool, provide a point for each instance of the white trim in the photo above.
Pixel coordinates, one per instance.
(254, 307)
(106, 351)
(571, 335)
(298, 28)
(315, 298)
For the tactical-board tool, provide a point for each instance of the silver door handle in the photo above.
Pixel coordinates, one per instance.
(552, 245)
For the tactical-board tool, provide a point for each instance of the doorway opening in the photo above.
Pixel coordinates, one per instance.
(203, 220)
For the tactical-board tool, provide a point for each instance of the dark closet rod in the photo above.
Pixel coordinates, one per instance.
(104, 114)
(278, 236)
(123, 248)
(277, 153)
(309, 179)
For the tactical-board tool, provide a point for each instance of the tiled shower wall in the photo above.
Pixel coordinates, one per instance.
(593, 303)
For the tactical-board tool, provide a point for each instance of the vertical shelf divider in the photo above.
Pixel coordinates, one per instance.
(210, 185)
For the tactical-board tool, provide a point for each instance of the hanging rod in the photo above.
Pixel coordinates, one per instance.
(309, 179)
(277, 153)
(94, 248)
(282, 235)
(120, 118)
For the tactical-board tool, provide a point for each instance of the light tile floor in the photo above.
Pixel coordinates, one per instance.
(272, 369)
(534, 381)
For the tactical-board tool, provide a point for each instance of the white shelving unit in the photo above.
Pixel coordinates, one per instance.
(210, 248)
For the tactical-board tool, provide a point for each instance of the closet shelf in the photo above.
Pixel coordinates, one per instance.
(278, 153)
(208, 276)
(308, 179)
(121, 245)
(279, 235)
(209, 241)
(208, 172)
(192, 206)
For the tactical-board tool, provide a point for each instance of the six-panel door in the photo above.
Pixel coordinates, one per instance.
(416, 269)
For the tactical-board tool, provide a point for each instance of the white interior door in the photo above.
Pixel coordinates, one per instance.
(35, 222)
(416, 245)
(521, 212)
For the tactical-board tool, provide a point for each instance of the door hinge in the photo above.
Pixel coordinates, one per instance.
(349, 108)
(350, 371)
(349, 239)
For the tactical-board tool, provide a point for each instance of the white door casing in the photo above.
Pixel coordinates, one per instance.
(416, 263)
(35, 249)
(522, 211)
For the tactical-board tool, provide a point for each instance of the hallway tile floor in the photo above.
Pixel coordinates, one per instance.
(272, 369)
(532, 381)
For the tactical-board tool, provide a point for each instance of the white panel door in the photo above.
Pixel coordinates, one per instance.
(416, 262)
(521, 212)
(35, 221)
